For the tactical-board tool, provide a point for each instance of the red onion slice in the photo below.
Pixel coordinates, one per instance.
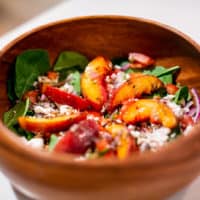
(197, 103)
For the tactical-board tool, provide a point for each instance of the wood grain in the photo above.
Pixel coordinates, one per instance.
(143, 176)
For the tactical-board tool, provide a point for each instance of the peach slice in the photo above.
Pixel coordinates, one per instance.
(135, 87)
(126, 144)
(148, 109)
(93, 84)
(43, 125)
(65, 98)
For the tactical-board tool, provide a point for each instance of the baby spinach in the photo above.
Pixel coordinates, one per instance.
(130, 71)
(20, 109)
(70, 59)
(52, 142)
(166, 79)
(11, 84)
(161, 71)
(182, 94)
(164, 74)
(161, 92)
(21, 132)
(75, 81)
(29, 65)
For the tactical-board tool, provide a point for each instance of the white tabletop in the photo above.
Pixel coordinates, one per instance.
(181, 14)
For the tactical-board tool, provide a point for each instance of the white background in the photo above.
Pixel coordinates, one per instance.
(181, 14)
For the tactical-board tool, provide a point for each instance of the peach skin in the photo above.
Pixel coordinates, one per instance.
(92, 82)
(52, 125)
(135, 87)
(148, 109)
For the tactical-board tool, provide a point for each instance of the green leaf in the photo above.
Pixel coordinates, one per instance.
(182, 94)
(164, 74)
(11, 84)
(20, 109)
(64, 73)
(53, 141)
(169, 71)
(161, 92)
(176, 132)
(130, 71)
(103, 152)
(166, 79)
(155, 71)
(76, 81)
(159, 71)
(123, 63)
(21, 132)
(70, 59)
(29, 65)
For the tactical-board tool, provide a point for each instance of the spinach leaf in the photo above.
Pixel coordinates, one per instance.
(104, 152)
(164, 74)
(130, 71)
(166, 79)
(123, 63)
(10, 117)
(161, 92)
(75, 81)
(169, 71)
(64, 73)
(155, 71)
(182, 94)
(21, 132)
(11, 84)
(161, 71)
(176, 132)
(53, 141)
(70, 59)
(29, 65)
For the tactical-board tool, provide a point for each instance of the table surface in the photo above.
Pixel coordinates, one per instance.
(181, 14)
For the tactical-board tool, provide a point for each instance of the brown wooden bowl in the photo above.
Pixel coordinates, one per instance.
(144, 176)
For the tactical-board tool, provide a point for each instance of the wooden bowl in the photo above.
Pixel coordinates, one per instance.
(144, 176)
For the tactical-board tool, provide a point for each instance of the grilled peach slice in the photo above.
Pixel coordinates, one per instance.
(126, 144)
(135, 87)
(59, 96)
(43, 125)
(148, 109)
(92, 82)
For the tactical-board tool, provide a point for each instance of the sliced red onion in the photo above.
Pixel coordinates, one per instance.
(43, 97)
(125, 67)
(192, 112)
(188, 107)
(197, 103)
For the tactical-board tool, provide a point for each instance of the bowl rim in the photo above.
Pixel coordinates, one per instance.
(13, 144)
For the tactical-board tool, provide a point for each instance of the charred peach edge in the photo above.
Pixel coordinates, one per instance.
(135, 87)
(134, 112)
(92, 81)
(43, 125)
(124, 147)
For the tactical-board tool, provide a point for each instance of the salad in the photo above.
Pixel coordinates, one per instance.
(97, 108)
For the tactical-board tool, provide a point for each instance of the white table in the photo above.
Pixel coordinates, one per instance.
(182, 14)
